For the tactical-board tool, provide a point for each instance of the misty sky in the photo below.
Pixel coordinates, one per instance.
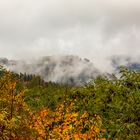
(95, 29)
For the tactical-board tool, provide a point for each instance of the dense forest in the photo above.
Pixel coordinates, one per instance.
(103, 109)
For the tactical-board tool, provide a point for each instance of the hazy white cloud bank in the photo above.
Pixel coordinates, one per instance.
(95, 29)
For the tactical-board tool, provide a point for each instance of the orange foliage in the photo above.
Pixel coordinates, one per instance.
(64, 124)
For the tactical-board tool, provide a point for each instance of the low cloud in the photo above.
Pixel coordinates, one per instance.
(94, 29)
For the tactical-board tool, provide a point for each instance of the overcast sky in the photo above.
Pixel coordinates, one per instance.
(95, 29)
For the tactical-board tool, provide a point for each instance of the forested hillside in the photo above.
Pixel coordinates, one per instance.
(72, 69)
(68, 69)
(103, 109)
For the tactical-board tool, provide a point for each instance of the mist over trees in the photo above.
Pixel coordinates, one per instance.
(31, 108)
(69, 69)
(62, 69)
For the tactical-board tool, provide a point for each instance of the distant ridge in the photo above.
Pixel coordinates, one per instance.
(68, 69)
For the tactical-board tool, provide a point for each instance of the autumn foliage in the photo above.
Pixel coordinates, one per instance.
(65, 124)
(13, 109)
(100, 110)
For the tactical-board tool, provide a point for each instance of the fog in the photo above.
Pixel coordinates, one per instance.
(93, 29)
